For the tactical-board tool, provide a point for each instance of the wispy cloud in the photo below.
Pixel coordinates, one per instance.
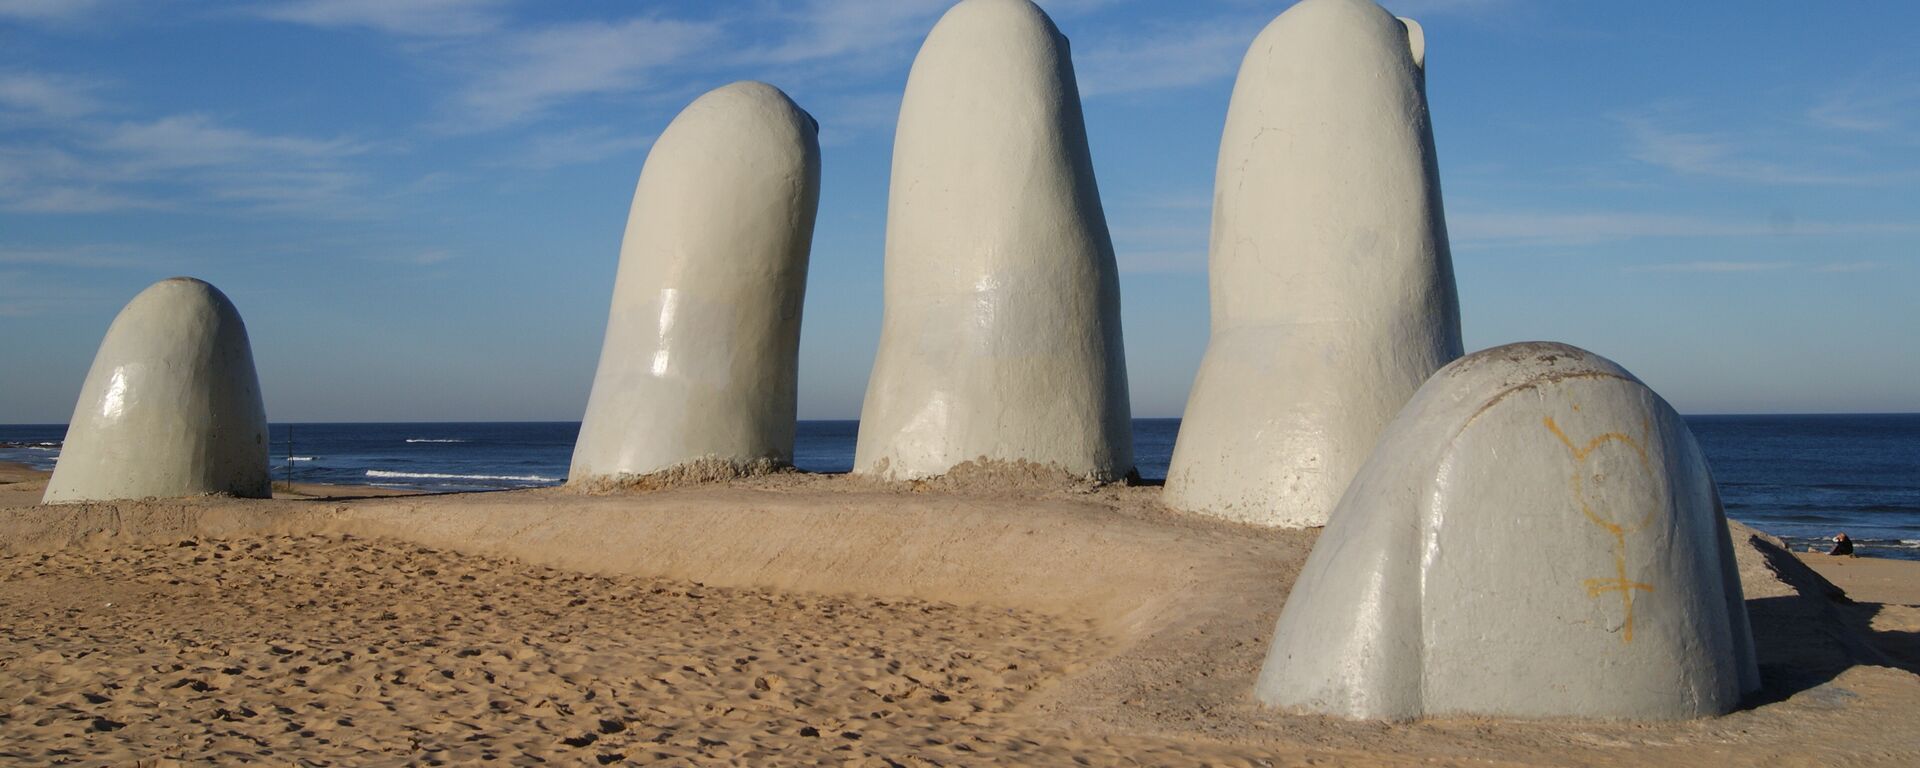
(413, 257)
(27, 292)
(59, 198)
(515, 74)
(416, 18)
(1729, 157)
(38, 178)
(1880, 104)
(1173, 57)
(589, 145)
(1851, 266)
(1170, 246)
(1534, 228)
(544, 67)
(1737, 267)
(827, 29)
(187, 141)
(47, 10)
(46, 95)
(174, 163)
(847, 118)
(97, 256)
(1715, 266)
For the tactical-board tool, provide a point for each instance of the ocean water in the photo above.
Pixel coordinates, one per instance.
(1803, 478)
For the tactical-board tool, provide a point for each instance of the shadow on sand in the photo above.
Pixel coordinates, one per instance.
(1808, 638)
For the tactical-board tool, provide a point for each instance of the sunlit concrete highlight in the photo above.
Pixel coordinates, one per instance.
(171, 407)
(1001, 333)
(702, 347)
(1332, 285)
(1537, 535)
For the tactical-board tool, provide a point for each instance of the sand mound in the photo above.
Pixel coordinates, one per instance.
(707, 471)
(1808, 637)
(987, 476)
(1137, 633)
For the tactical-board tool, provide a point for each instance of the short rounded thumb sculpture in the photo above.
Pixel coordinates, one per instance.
(171, 407)
(1537, 535)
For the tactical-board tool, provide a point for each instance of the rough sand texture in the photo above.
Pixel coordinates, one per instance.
(705, 471)
(1885, 599)
(333, 649)
(20, 485)
(1143, 630)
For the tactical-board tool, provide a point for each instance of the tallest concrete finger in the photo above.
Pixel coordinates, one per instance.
(1332, 284)
(1001, 334)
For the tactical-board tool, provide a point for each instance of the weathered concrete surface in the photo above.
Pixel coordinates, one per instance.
(1537, 535)
(702, 345)
(171, 406)
(1001, 336)
(1332, 285)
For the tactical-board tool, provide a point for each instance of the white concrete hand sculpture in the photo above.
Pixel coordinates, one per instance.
(700, 359)
(171, 407)
(1333, 294)
(1001, 339)
(1537, 535)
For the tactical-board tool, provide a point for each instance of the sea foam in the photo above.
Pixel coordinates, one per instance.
(442, 476)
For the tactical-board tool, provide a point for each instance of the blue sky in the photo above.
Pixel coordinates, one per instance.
(418, 205)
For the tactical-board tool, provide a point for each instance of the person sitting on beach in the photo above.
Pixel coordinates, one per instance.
(1842, 545)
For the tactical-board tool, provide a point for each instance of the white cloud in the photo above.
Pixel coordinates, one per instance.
(97, 256)
(1143, 246)
(1715, 266)
(549, 65)
(1886, 103)
(838, 28)
(1736, 267)
(1416, 8)
(1851, 266)
(186, 141)
(24, 293)
(174, 163)
(845, 119)
(311, 191)
(515, 74)
(1724, 156)
(37, 178)
(429, 257)
(46, 10)
(46, 95)
(414, 18)
(1529, 228)
(74, 199)
(1176, 57)
(590, 145)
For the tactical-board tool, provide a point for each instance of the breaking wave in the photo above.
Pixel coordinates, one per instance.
(442, 476)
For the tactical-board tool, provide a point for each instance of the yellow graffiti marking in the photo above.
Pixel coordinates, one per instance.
(1619, 583)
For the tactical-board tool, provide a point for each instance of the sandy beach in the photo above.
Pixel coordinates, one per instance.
(789, 620)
